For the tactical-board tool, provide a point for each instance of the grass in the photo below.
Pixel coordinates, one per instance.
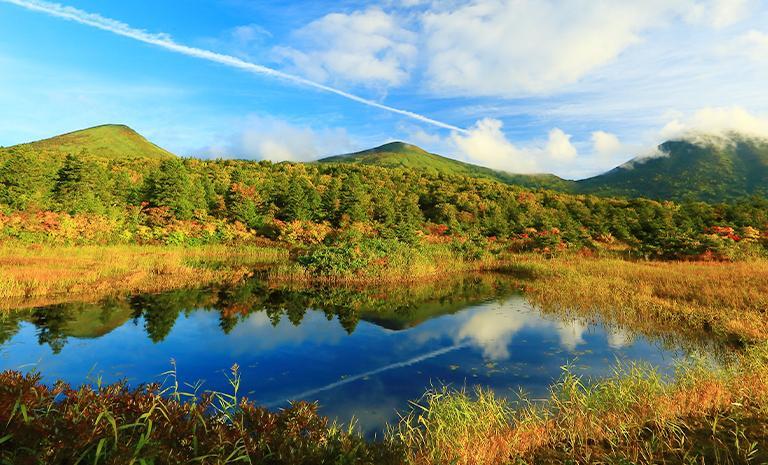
(727, 299)
(705, 414)
(41, 275)
(110, 141)
(169, 423)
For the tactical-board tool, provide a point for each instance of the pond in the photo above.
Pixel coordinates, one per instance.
(359, 353)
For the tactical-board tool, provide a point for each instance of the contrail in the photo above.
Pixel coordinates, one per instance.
(165, 41)
(350, 379)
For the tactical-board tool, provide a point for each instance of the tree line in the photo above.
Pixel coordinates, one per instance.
(329, 199)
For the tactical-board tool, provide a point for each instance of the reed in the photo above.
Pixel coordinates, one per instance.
(704, 414)
(41, 274)
(727, 299)
(167, 423)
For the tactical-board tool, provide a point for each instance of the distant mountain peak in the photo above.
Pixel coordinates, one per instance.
(111, 141)
(399, 146)
(400, 154)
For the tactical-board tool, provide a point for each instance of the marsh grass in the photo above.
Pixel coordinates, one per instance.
(39, 275)
(727, 299)
(704, 414)
(167, 423)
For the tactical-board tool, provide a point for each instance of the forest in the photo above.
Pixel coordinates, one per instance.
(81, 199)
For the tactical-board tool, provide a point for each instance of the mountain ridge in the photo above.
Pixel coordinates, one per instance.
(702, 168)
(108, 141)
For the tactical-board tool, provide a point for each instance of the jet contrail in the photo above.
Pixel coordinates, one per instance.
(420, 358)
(165, 41)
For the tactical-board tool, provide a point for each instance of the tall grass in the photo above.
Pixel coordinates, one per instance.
(704, 414)
(167, 424)
(728, 299)
(41, 274)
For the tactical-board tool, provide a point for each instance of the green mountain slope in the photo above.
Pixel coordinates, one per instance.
(402, 155)
(713, 171)
(110, 141)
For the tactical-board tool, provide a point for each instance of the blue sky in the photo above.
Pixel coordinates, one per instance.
(573, 87)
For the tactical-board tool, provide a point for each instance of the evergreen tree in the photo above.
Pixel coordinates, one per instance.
(77, 186)
(170, 186)
(24, 181)
(353, 200)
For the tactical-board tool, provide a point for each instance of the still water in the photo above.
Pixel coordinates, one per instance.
(361, 354)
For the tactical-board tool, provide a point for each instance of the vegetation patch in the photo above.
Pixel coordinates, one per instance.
(704, 414)
(38, 275)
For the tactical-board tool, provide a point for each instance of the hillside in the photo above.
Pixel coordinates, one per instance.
(714, 170)
(709, 169)
(402, 155)
(110, 141)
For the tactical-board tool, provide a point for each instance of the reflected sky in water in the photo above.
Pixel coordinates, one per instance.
(365, 371)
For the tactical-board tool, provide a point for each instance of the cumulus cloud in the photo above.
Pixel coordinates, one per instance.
(274, 139)
(606, 144)
(367, 47)
(491, 328)
(507, 48)
(559, 146)
(518, 47)
(485, 143)
(717, 121)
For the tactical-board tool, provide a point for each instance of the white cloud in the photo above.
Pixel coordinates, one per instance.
(619, 338)
(606, 144)
(717, 121)
(492, 328)
(244, 40)
(718, 13)
(506, 48)
(559, 146)
(273, 139)
(486, 144)
(368, 47)
(571, 333)
(753, 44)
(518, 47)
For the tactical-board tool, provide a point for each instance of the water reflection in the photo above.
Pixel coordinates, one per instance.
(360, 353)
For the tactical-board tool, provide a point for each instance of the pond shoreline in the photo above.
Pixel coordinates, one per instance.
(627, 415)
(727, 299)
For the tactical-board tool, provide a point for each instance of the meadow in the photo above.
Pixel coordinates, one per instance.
(34, 275)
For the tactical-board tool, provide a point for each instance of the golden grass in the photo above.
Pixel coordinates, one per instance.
(705, 414)
(36, 275)
(730, 299)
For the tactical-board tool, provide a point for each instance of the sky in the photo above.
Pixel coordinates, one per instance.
(571, 87)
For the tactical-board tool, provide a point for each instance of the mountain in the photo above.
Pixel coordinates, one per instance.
(708, 168)
(402, 155)
(110, 141)
(711, 169)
